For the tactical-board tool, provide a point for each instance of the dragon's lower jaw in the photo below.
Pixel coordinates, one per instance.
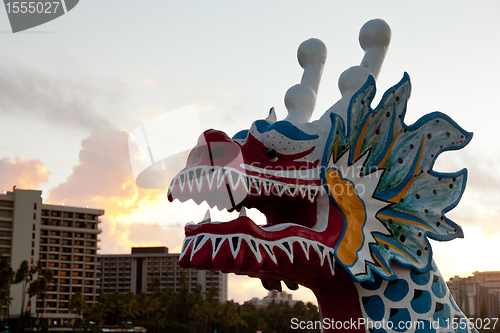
(284, 251)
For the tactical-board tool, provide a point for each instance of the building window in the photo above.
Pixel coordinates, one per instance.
(34, 216)
(34, 206)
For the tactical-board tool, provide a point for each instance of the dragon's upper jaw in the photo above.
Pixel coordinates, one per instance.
(285, 199)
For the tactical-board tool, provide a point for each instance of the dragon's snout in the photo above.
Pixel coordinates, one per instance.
(214, 148)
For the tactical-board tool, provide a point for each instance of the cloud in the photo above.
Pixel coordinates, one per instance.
(479, 204)
(22, 173)
(119, 238)
(103, 178)
(71, 102)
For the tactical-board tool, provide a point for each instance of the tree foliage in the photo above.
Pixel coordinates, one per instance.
(163, 310)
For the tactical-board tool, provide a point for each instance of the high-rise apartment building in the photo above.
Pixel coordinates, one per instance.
(491, 279)
(64, 239)
(137, 272)
(477, 295)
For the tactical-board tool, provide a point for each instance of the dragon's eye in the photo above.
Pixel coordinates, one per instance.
(197, 158)
(272, 154)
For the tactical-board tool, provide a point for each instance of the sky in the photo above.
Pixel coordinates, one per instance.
(73, 89)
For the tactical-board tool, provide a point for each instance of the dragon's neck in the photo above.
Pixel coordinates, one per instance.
(413, 298)
(338, 300)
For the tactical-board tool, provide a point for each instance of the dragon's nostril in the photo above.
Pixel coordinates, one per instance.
(197, 158)
(272, 154)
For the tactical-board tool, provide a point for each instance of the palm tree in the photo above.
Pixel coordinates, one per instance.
(39, 287)
(6, 278)
(114, 301)
(22, 276)
(129, 308)
(99, 311)
(77, 304)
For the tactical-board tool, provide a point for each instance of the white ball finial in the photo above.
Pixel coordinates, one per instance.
(300, 101)
(374, 38)
(375, 33)
(352, 79)
(301, 98)
(311, 52)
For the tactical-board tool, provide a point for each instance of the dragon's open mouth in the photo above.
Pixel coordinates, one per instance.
(296, 236)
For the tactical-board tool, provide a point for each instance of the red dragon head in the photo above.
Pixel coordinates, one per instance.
(340, 191)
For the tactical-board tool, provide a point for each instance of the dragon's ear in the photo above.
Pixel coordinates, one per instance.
(241, 136)
(403, 201)
(272, 115)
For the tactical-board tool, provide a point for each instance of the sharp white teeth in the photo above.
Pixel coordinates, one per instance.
(197, 242)
(331, 261)
(205, 178)
(270, 252)
(199, 178)
(287, 247)
(279, 189)
(221, 177)
(216, 242)
(254, 246)
(325, 254)
(207, 217)
(235, 242)
(291, 191)
(312, 194)
(233, 179)
(256, 183)
(246, 181)
(243, 212)
(267, 187)
(305, 248)
(210, 175)
(185, 246)
(181, 182)
(190, 180)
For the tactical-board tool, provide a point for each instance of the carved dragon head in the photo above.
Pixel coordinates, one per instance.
(354, 189)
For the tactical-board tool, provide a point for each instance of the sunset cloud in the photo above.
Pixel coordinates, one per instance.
(103, 178)
(26, 174)
(478, 207)
(242, 288)
(121, 237)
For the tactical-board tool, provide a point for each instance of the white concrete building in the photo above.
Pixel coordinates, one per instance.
(136, 272)
(272, 296)
(64, 239)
